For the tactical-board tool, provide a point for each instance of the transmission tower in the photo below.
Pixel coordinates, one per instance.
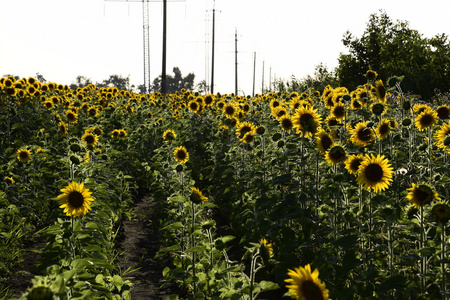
(146, 39)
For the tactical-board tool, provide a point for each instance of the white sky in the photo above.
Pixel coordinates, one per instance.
(62, 39)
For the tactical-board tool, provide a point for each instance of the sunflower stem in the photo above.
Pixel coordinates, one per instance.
(192, 245)
(421, 245)
(444, 287)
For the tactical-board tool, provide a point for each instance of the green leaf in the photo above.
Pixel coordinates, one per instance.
(59, 285)
(118, 282)
(174, 226)
(79, 264)
(268, 285)
(197, 249)
(394, 282)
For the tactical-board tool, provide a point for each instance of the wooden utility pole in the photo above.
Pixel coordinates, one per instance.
(164, 49)
(235, 63)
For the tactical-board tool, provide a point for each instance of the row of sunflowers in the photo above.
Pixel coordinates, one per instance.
(257, 195)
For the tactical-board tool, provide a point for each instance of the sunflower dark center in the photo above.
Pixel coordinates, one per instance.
(181, 155)
(364, 134)
(374, 172)
(311, 291)
(423, 195)
(229, 110)
(384, 128)
(76, 199)
(354, 165)
(193, 106)
(326, 142)
(23, 155)
(245, 129)
(286, 123)
(337, 154)
(339, 111)
(305, 119)
(381, 91)
(90, 139)
(426, 120)
(443, 112)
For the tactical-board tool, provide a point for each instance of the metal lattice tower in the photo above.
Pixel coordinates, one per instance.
(146, 36)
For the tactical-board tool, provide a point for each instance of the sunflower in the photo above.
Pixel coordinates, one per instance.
(274, 103)
(362, 135)
(197, 196)
(420, 195)
(338, 111)
(378, 108)
(71, 116)
(244, 127)
(336, 154)
(324, 141)
(353, 162)
(304, 285)
(441, 212)
(92, 111)
(122, 134)
(380, 91)
(443, 112)
(332, 122)
(90, 139)
(265, 249)
(279, 112)
(76, 199)
(9, 180)
(425, 119)
(181, 155)
(442, 136)
(420, 107)
(23, 155)
(193, 106)
(169, 135)
(306, 121)
(383, 129)
(371, 75)
(229, 110)
(48, 105)
(115, 133)
(286, 123)
(209, 100)
(375, 172)
(62, 128)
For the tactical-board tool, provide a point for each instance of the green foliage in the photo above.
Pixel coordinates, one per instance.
(393, 48)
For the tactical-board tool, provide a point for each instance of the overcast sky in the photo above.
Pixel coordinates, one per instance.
(62, 39)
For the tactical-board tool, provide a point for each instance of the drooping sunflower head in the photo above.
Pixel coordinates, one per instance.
(441, 212)
(375, 172)
(306, 121)
(353, 162)
(371, 75)
(420, 195)
(426, 119)
(181, 155)
(383, 129)
(197, 196)
(443, 112)
(380, 91)
(336, 154)
(324, 141)
(306, 285)
(75, 200)
(23, 155)
(90, 139)
(169, 135)
(362, 135)
(265, 249)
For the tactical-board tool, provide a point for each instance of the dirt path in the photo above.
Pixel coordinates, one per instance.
(139, 244)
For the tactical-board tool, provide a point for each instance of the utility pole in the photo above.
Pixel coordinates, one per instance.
(164, 49)
(235, 64)
(262, 85)
(212, 54)
(254, 72)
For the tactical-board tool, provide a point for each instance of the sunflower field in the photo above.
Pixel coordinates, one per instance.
(333, 194)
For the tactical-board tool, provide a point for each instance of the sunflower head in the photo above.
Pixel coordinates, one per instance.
(169, 135)
(286, 123)
(197, 196)
(306, 285)
(324, 141)
(420, 195)
(375, 172)
(336, 154)
(426, 119)
(306, 121)
(383, 129)
(380, 90)
(23, 155)
(441, 212)
(443, 112)
(75, 200)
(362, 135)
(265, 249)
(90, 139)
(181, 155)
(353, 162)
(371, 75)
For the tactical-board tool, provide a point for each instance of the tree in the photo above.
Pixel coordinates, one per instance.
(117, 81)
(174, 83)
(394, 49)
(80, 81)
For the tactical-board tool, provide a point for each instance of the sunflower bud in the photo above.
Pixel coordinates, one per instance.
(406, 105)
(276, 136)
(75, 148)
(280, 144)
(40, 293)
(406, 122)
(75, 159)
